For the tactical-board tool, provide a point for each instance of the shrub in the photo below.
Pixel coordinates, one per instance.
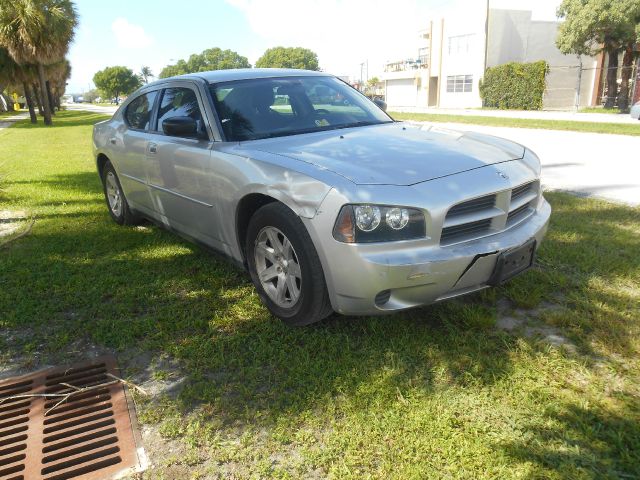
(514, 86)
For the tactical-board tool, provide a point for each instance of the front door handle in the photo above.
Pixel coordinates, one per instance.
(113, 140)
(153, 148)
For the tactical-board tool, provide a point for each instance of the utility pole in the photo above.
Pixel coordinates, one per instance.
(579, 85)
(361, 68)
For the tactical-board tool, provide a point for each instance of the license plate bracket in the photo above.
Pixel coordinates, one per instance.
(512, 262)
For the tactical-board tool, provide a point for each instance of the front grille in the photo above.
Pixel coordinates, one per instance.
(472, 206)
(465, 231)
(489, 213)
(518, 192)
(518, 214)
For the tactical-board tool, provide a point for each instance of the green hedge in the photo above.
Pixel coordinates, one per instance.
(514, 86)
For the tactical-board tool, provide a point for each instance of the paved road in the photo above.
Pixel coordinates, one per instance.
(528, 114)
(590, 164)
(92, 108)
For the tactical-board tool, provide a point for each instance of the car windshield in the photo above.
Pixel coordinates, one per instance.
(274, 107)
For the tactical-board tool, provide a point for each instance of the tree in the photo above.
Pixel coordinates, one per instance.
(372, 84)
(592, 26)
(91, 95)
(13, 74)
(145, 74)
(210, 59)
(38, 32)
(59, 73)
(288, 57)
(117, 80)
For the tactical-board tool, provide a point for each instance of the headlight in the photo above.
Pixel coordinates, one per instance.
(378, 223)
(367, 217)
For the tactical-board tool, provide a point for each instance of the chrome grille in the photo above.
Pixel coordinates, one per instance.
(472, 206)
(489, 214)
(518, 192)
(518, 214)
(465, 231)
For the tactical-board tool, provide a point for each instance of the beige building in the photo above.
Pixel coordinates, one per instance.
(453, 54)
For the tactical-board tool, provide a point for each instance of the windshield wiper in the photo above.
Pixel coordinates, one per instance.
(362, 123)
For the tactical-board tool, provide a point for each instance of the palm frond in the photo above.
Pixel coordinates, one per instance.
(37, 31)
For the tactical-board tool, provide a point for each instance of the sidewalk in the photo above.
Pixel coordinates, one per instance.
(527, 114)
(7, 122)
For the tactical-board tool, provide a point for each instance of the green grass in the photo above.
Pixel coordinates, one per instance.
(574, 126)
(437, 392)
(602, 110)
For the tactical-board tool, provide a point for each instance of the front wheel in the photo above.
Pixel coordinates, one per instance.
(284, 266)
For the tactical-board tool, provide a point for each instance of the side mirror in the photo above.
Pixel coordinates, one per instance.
(180, 127)
(382, 105)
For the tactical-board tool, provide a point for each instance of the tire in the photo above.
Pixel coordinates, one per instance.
(294, 288)
(118, 209)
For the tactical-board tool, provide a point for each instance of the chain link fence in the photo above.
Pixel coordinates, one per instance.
(575, 86)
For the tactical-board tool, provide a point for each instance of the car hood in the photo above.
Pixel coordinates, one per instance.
(393, 154)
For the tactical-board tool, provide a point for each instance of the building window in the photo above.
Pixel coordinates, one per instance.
(460, 44)
(459, 83)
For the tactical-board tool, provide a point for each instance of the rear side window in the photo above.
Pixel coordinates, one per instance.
(179, 102)
(138, 113)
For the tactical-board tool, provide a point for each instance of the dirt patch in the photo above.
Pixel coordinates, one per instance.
(526, 322)
(12, 222)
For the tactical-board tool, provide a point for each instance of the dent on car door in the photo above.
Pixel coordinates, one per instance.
(179, 169)
(131, 163)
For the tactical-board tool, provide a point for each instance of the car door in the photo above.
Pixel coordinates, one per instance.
(179, 168)
(131, 161)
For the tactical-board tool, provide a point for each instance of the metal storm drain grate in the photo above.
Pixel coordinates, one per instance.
(67, 423)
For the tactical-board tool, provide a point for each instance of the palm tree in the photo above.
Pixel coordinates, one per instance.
(145, 73)
(37, 32)
(58, 74)
(13, 74)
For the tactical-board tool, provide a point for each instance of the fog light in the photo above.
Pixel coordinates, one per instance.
(382, 297)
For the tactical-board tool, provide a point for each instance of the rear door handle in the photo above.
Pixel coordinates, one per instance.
(113, 140)
(152, 148)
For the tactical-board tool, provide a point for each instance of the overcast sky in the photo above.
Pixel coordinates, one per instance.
(344, 33)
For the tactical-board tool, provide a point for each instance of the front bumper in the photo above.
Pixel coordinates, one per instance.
(370, 279)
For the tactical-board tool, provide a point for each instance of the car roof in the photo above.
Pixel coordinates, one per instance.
(214, 76)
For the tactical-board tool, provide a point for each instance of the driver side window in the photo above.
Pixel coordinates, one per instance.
(179, 102)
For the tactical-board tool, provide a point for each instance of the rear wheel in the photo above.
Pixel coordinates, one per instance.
(116, 201)
(284, 266)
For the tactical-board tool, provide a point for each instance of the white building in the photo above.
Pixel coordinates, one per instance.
(454, 53)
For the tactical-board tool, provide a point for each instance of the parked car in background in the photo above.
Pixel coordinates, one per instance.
(330, 208)
(635, 111)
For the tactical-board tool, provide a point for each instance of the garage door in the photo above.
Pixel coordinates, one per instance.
(401, 93)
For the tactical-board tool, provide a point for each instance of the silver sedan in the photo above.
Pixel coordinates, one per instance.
(329, 203)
